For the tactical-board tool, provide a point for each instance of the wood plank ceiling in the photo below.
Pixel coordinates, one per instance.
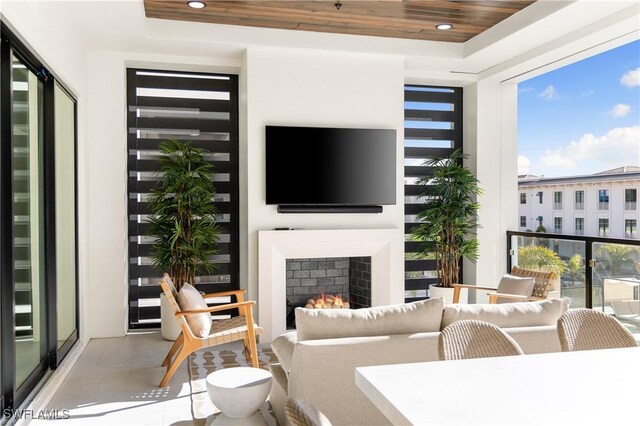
(411, 19)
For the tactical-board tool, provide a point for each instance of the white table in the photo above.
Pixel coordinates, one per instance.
(576, 388)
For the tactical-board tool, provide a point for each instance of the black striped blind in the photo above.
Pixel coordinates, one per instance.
(432, 128)
(202, 108)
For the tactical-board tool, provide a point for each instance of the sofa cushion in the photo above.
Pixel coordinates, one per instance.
(406, 318)
(283, 347)
(511, 284)
(521, 314)
(188, 299)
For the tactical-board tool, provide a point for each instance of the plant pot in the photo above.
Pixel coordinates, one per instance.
(447, 294)
(169, 327)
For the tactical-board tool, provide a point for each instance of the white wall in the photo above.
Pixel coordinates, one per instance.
(307, 88)
(490, 139)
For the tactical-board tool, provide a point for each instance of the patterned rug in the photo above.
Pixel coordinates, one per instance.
(206, 361)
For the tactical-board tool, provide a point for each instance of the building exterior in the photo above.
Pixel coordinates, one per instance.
(603, 204)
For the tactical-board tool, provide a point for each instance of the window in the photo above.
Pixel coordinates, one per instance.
(523, 198)
(579, 201)
(539, 195)
(630, 228)
(557, 200)
(603, 199)
(557, 225)
(579, 226)
(433, 127)
(523, 221)
(603, 227)
(540, 219)
(203, 109)
(630, 199)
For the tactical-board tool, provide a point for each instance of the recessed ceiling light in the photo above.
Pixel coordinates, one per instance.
(444, 26)
(196, 4)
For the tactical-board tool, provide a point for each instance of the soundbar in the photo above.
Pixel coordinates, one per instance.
(303, 208)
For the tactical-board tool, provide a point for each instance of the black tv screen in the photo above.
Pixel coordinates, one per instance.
(330, 166)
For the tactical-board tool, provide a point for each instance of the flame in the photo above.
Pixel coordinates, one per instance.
(328, 301)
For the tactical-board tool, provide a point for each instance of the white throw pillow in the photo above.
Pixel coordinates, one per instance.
(511, 284)
(407, 318)
(505, 315)
(188, 299)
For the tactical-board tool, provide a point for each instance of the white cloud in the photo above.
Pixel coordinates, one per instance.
(549, 93)
(526, 89)
(591, 154)
(587, 93)
(631, 78)
(523, 165)
(620, 110)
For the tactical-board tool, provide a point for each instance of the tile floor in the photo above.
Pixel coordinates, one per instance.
(115, 382)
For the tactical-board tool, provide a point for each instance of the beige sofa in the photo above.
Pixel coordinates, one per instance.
(317, 362)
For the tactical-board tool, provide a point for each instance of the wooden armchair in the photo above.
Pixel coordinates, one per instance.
(222, 331)
(541, 287)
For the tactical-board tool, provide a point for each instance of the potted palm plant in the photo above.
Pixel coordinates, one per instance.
(449, 219)
(183, 220)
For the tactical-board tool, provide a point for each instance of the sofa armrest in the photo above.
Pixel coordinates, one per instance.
(323, 371)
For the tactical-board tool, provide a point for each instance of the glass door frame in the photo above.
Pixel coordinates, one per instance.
(12, 396)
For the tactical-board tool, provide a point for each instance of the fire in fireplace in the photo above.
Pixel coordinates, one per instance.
(327, 301)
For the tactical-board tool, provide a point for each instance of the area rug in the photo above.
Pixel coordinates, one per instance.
(206, 361)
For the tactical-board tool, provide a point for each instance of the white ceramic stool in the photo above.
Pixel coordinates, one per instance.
(239, 391)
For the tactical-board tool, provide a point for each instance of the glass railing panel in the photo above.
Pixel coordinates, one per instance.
(564, 257)
(616, 280)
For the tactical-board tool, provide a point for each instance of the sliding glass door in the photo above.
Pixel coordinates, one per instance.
(28, 221)
(65, 222)
(38, 232)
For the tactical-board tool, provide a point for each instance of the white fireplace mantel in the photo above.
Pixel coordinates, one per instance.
(275, 247)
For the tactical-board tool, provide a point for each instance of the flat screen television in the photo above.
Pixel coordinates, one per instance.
(317, 166)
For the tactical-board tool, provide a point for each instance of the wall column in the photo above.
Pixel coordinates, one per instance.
(490, 112)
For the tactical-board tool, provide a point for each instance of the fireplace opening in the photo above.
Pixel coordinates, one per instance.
(332, 283)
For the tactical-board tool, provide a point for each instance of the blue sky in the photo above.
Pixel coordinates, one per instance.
(583, 118)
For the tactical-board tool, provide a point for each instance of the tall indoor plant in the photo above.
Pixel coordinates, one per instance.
(449, 216)
(183, 214)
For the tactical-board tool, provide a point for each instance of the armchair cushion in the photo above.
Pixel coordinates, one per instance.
(188, 299)
(519, 286)
(504, 315)
(406, 318)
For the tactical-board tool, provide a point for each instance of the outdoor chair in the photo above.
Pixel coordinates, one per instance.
(509, 290)
(585, 329)
(468, 339)
(301, 413)
(222, 331)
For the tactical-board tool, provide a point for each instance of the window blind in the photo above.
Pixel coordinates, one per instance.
(433, 128)
(203, 109)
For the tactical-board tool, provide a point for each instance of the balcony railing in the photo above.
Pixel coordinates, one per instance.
(595, 272)
(579, 205)
(603, 205)
(630, 205)
(557, 206)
